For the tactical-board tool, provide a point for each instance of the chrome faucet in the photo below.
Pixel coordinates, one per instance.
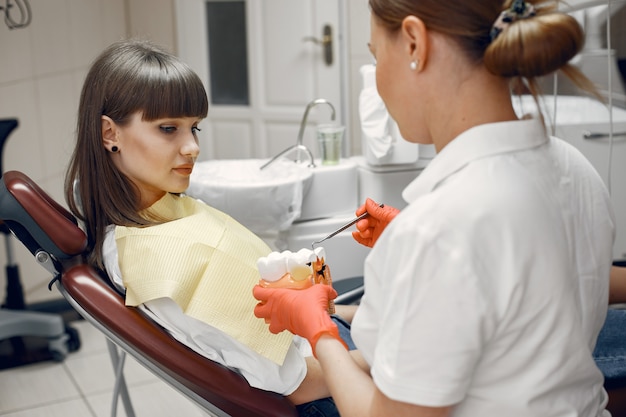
(299, 146)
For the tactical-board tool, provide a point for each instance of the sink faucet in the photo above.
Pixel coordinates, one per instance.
(299, 146)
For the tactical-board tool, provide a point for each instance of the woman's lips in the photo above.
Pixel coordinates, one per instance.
(184, 169)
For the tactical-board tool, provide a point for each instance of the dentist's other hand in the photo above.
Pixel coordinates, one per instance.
(370, 228)
(302, 312)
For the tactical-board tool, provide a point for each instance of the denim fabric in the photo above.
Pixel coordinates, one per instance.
(344, 331)
(326, 406)
(319, 408)
(610, 351)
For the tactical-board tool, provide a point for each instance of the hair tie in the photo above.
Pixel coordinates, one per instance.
(519, 10)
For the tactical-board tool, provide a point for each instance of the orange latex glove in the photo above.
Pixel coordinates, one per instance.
(370, 228)
(302, 312)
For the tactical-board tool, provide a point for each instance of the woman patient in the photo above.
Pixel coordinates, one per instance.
(186, 265)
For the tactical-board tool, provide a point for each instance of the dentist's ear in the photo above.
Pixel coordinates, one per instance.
(109, 134)
(415, 34)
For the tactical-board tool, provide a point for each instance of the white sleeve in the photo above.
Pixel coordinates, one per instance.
(109, 257)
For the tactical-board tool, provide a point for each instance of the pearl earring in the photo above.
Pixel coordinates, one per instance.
(413, 65)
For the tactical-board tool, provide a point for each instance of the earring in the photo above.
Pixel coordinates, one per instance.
(413, 65)
(114, 149)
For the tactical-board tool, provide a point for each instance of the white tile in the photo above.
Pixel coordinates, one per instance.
(157, 25)
(36, 288)
(63, 409)
(94, 373)
(22, 151)
(85, 30)
(156, 399)
(92, 341)
(50, 36)
(113, 16)
(35, 385)
(58, 110)
(17, 59)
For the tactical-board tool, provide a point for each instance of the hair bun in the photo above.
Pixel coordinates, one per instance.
(536, 46)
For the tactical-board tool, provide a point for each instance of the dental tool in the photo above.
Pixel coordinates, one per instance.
(344, 227)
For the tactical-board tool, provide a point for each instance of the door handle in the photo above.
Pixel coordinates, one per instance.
(599, 135)
(326, 42)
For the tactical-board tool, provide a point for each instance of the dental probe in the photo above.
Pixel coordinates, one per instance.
(344, 227)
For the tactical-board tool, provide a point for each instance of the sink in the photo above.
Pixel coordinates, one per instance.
(333, 191)
(272, 199)
(262, 200)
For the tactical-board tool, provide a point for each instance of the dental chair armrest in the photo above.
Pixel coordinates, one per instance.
(37, 220)
(132, 331)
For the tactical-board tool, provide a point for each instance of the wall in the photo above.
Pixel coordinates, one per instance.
(41, 76)
(358, 32)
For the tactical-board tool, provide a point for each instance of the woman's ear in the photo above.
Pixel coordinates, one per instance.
(415, 34)
(109, 132)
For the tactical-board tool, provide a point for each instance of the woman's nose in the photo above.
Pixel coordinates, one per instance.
(191, 147)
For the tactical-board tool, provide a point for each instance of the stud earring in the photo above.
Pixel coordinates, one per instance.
(413, 65)
(114, 149)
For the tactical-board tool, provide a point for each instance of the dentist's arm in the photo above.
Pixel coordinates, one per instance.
(303, 312)
(617, 286)
(348, 381)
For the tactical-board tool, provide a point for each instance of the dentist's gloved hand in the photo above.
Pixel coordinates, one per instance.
(370, 228)
(302, 312)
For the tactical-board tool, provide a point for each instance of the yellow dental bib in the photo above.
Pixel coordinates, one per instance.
(205, 261)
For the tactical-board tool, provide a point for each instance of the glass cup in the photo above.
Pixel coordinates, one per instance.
(330, 138)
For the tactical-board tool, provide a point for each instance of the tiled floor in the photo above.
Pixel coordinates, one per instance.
(81, 385)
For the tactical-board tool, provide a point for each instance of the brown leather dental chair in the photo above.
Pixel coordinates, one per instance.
(52, 235)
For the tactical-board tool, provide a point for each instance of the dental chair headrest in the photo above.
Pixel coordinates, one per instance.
(37, 220)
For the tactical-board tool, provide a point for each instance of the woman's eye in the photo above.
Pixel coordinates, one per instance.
(168, 129)
(196, 129)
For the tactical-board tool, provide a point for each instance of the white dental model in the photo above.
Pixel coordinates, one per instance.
(289, 269)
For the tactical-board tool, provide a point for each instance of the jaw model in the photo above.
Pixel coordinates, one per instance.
(288, 269)
(296, 271)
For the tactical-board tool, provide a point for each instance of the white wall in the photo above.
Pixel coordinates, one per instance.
(358, 32)
(41, 75)
(43, 66)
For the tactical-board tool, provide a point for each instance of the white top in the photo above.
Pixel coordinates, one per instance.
(211, 343)
(488, 291)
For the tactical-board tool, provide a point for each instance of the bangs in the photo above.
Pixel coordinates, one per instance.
(142, 78)
(173, 92)
(156, 85)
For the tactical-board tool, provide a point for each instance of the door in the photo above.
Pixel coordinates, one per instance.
(262, 62)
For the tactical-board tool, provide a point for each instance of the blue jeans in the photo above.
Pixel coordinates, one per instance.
(326, 406)
(610, 351)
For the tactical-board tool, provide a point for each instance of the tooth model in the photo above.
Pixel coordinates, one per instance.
(295, 270)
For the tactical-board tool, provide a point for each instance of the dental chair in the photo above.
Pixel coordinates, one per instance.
(52, 235)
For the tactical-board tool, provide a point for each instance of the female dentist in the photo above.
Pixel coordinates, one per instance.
(485, 295)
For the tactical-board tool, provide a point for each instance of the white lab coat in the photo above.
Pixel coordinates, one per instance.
(488, 291)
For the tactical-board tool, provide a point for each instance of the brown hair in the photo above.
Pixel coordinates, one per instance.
(129, 76)
(527, 49)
